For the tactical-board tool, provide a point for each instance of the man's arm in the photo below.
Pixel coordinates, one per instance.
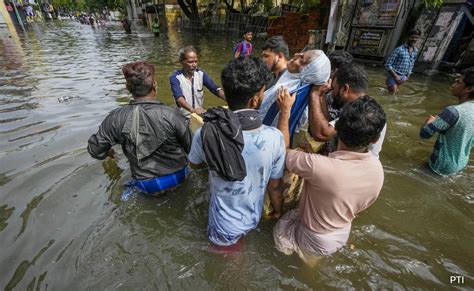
(390, 62)
(433, 124)
(275, 191)
(211, 85)
(285, 102)
(184, 134)
(196, 155)
(319, 126)
(179, 96)
(100, 144)
(238, 51)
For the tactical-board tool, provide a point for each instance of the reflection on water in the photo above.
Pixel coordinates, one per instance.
(63, 226)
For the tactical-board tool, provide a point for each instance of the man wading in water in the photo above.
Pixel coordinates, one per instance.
(244, 157)
(154, 137)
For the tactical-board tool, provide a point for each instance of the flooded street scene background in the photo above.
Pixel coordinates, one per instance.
(63, 225)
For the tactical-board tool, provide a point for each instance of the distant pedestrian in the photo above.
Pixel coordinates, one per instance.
(455, 128)
(400, 63)
(155, 27)
(127, 26)
(244, 48)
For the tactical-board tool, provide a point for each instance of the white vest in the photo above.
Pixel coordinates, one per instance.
(193, 93)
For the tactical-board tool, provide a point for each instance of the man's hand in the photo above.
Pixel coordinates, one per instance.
(321, 90)
(111, 153)
(221, 95)
(198, 110)
(430, 119)
(276, 214)
(285, 100)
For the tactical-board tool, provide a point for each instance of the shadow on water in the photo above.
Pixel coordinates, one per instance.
(63, 225)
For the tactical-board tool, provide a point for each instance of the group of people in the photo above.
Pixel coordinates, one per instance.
(247, 146)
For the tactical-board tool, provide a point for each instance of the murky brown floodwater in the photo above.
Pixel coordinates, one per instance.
(63, 226)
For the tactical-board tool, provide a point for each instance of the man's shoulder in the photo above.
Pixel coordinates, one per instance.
(176, 73)
(271, 131)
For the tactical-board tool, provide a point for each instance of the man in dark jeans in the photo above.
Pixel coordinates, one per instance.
(155, 138)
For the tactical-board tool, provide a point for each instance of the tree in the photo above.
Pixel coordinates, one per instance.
(189, 8)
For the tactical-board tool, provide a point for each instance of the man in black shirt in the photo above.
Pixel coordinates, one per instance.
(155, 138)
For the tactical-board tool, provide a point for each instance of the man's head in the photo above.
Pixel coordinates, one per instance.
(463, 86)
(140, 77)
(338, 60)
(275, 53)
(248, 35)
(244, 80)
(413, 36)
(299, 60)
(349, 83)
(188, 58)
(360, 123)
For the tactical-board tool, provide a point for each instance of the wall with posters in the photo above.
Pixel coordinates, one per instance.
(377, 26)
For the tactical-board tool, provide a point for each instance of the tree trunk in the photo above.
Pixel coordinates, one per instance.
(191, 11)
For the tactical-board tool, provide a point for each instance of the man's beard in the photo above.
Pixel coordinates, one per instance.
(275, 63)
(337, 102)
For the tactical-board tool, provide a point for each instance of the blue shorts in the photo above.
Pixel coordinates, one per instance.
(154, 185)
(391, 81)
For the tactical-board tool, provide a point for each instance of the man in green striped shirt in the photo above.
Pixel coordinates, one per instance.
(455, 125)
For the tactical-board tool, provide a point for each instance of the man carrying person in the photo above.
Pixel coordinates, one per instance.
(275, 55)
(337, 187)
(338, 60)
(400, 63)
(244, 157)
(244, 48)
(309, 67)
(187, 83)
(349, 84)
(455, 128)
(154, 137)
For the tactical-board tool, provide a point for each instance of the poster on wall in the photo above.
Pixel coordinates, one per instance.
(378, 13)
(367, 42)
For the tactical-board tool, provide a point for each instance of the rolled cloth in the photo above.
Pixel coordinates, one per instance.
(223, 141)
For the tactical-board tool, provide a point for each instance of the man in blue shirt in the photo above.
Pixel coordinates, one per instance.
(400, 63)
(187, 83)
(236, 201)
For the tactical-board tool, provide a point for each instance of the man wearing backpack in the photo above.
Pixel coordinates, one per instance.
(244, 48)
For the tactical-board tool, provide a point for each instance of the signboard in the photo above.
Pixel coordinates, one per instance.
(367, 42)
(378, 13)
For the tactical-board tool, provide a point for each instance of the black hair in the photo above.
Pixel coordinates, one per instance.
(340, 59)
(468, 75)
(277, 44)
(353, 75)
(184, 50)
(360, 123)
(241, 79)
(468, 78)
(414, 31)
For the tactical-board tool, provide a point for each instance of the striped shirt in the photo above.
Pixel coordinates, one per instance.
(455, 125)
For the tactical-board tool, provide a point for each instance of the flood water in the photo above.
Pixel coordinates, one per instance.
(64, 227)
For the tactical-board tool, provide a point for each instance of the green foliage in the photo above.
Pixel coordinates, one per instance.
(432, 3)
(89, 5)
